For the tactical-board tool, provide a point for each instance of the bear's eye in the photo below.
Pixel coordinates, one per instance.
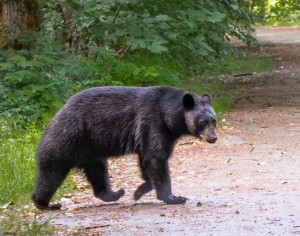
(214, 122)
(203, 123)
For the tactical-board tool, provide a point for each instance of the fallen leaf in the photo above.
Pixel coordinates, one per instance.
(74, 209)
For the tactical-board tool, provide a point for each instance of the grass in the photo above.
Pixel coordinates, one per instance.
(17, 175)
(224, 95)
(223, 99)
(18, 164)
(292, 20)
(245, 64)
(280, 23)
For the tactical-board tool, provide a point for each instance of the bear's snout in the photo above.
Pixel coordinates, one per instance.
(211, 139)
(209, 135)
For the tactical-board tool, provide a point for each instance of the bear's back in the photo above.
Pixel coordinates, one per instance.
(113, 118)
(109, 102)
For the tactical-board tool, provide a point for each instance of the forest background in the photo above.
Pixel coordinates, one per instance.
(52, 49)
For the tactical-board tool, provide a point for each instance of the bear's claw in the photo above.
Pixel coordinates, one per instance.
(171, 199)
(111, 196)
(43, 205)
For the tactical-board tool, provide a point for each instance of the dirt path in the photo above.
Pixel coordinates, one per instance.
(246, 184)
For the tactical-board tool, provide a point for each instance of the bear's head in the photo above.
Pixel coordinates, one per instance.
(200, 117)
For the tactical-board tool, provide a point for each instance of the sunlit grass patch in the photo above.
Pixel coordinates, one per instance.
(17, 161)
(18, 164)
(17, 176)
(246, 64)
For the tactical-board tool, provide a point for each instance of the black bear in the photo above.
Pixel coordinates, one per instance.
(102, 122)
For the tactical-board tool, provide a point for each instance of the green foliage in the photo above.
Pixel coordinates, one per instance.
(184, 30)
(276, 11)
(111, 71)
(31, 84)
(115, 42)
(133, 71)
(37, 82)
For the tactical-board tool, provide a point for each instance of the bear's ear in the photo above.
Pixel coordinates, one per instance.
(206, 98)
(188, 101)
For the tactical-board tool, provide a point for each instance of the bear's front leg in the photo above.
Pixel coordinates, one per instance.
(164, 193)
(158, 171)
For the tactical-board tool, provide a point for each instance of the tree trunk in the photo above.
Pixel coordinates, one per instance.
(18, 18)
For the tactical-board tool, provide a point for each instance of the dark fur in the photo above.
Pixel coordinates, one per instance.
(111, 121)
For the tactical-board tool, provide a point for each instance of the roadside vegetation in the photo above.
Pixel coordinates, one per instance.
(80, 44)
(282, 12)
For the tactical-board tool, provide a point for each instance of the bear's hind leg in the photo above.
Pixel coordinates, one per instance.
(142, 189)
(97, 175)
(47, 183)
(145, 187)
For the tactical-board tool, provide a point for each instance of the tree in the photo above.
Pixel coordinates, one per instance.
(17, 18)
(84, 43)
(190, 29)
